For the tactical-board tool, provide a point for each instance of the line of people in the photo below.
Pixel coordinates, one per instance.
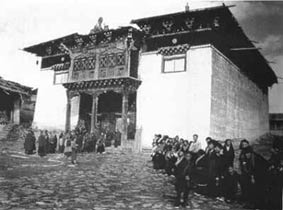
(211, 171)
(70, 143)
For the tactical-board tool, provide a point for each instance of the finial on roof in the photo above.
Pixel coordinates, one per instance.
(187, 7)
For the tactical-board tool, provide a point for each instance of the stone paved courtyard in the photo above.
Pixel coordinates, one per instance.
(115, 180)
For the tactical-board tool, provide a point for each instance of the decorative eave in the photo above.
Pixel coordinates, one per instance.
(115, 83)
(216, 26)
(183, 22)
(76, 41)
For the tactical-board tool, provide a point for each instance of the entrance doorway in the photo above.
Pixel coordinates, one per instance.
(109, 112)
(109, 115)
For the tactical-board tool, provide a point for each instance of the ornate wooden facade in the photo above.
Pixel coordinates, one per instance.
(94, 64)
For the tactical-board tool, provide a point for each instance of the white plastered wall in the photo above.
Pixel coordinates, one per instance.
(50, 108)
(174, 103)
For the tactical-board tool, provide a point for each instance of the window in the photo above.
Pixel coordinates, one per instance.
(61, 78)
(174, 63)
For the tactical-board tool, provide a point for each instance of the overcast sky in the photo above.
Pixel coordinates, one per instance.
(25, 23)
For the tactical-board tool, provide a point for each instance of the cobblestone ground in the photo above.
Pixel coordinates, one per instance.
(115, 180)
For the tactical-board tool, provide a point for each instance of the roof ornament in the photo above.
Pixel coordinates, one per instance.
(189, 22)
(93, 38)
(187, 7)
(79, 40)
(48, 50)
(167, 24)
(107, 36)
(216, 23)
(146, 28)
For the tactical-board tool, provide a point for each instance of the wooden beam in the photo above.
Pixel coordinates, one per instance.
(245, 48)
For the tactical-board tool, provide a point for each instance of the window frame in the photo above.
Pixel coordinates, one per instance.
(66, 72)
(174, 57)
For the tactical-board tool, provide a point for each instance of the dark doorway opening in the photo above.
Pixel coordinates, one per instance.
(6, 107)
(85, 109)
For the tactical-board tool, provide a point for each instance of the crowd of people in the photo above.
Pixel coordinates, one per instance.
(70, 143)
(211, 171)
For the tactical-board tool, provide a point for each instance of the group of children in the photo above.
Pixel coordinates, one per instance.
(211, 172)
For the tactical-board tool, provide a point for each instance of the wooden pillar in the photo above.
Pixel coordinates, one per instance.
(68, 112)
(125, 102)
(93, 112)
(17, 110)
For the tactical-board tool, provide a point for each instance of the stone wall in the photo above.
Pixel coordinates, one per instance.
(239, 109)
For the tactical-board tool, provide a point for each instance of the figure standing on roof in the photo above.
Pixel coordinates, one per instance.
(98, 27)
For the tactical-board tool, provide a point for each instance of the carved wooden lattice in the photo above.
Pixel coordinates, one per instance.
(84, 63)
(111, 60)
(120, 59)
(103, 61)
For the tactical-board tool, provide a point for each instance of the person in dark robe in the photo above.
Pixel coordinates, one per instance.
(117, 137)
(246, 160)
(170, 160)
(275, 182)
(92, 142)
(100, 147)
(207, 140)
(182, 171)
(48, 146)
(212, 169)
(230, 184)
(52, 143)
(254, 176)
(29, 144)
(79, 139)
(109, 137)
(42, 144)
(159, 156)
(220, 163)
(200, 173)
(185, 146)
(101, 144)
(228, 154)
